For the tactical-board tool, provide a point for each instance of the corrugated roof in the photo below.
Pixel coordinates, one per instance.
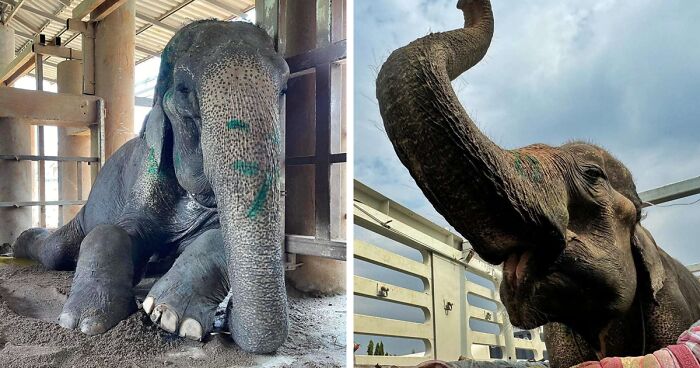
(156, 22)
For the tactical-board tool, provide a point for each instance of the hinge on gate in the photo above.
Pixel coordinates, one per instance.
(448, 306)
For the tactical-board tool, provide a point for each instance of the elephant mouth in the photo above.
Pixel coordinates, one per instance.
(514, 269)
(527, 275)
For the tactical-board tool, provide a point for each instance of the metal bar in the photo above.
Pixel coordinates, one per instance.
(670, 192)
(41, 203)
(323, 137)
(39, 71)
(314, 247)
(97, 137)
(319, 56)
(44, 14)
(695, 267)
(156, 22)
(48, 158)
(79, 178)
(311, 160)
(267, 17)
(220, 4)
(147, 51)
(167, 14)
(60, 192)
(323, 22)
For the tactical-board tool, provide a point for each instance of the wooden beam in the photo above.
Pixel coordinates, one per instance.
(22, 63)
(307, 245)
(86, 7)
(105, 9)
(79, 26)
(58, 51)
(46, 108)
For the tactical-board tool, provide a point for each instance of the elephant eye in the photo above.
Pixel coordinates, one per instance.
(593, 173)
(183, 88)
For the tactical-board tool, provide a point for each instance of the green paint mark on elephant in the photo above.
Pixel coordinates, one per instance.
(275, 136)
(518, 163)
(261, 196)
(536, 169)
(238, 124)
(151, 162)
(177, 159)
(247, 168)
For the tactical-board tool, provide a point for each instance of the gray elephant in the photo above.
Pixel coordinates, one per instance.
(201, 181)
(564, 221)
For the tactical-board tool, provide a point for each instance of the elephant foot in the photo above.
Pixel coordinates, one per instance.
(102, 294)
(185, 299)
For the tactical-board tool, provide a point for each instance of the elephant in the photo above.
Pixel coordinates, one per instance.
(564, 221)
(200, 182)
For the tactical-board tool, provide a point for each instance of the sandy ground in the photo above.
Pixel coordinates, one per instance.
(31, 299)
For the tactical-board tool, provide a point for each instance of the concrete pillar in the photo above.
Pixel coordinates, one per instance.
(72, 141)
(114, 74)
(16, 182)
(7, 45)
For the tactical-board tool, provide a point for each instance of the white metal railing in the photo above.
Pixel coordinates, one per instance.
(445, 331)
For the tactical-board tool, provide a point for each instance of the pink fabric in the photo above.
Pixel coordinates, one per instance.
(685, 357)
(685, 354)
(665, 358)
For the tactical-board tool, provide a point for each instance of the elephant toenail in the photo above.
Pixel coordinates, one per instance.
(168, 321)
(148, 304)
(92, 325)
(191, 329)
(67, 320)
(157, 311)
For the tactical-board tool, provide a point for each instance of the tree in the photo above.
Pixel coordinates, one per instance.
(370, 348)
(379, 348)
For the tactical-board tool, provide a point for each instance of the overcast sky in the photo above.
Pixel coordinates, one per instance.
(624, 75)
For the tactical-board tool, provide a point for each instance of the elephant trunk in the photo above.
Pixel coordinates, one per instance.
(241, 152)
(494, 197)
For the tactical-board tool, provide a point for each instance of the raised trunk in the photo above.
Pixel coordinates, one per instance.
(494, 197)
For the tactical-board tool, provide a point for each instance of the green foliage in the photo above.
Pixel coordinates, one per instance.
(379, 349)
(370, 348)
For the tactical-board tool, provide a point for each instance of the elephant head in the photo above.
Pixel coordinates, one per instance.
(215, 122)
(564, 221)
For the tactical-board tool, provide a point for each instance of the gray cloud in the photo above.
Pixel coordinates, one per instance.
(621, 74)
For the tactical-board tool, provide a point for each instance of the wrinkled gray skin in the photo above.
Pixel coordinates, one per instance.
(201, 181)
(564, 221)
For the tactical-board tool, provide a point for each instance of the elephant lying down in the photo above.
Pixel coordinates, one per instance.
(564, 221)
(200, 181)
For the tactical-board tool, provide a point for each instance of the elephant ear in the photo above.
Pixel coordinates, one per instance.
(154, 131)
(645, 247)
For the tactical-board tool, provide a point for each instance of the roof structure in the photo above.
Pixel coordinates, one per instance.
(156, 22)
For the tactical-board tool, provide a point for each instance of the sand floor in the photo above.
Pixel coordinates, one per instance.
(32, 297)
